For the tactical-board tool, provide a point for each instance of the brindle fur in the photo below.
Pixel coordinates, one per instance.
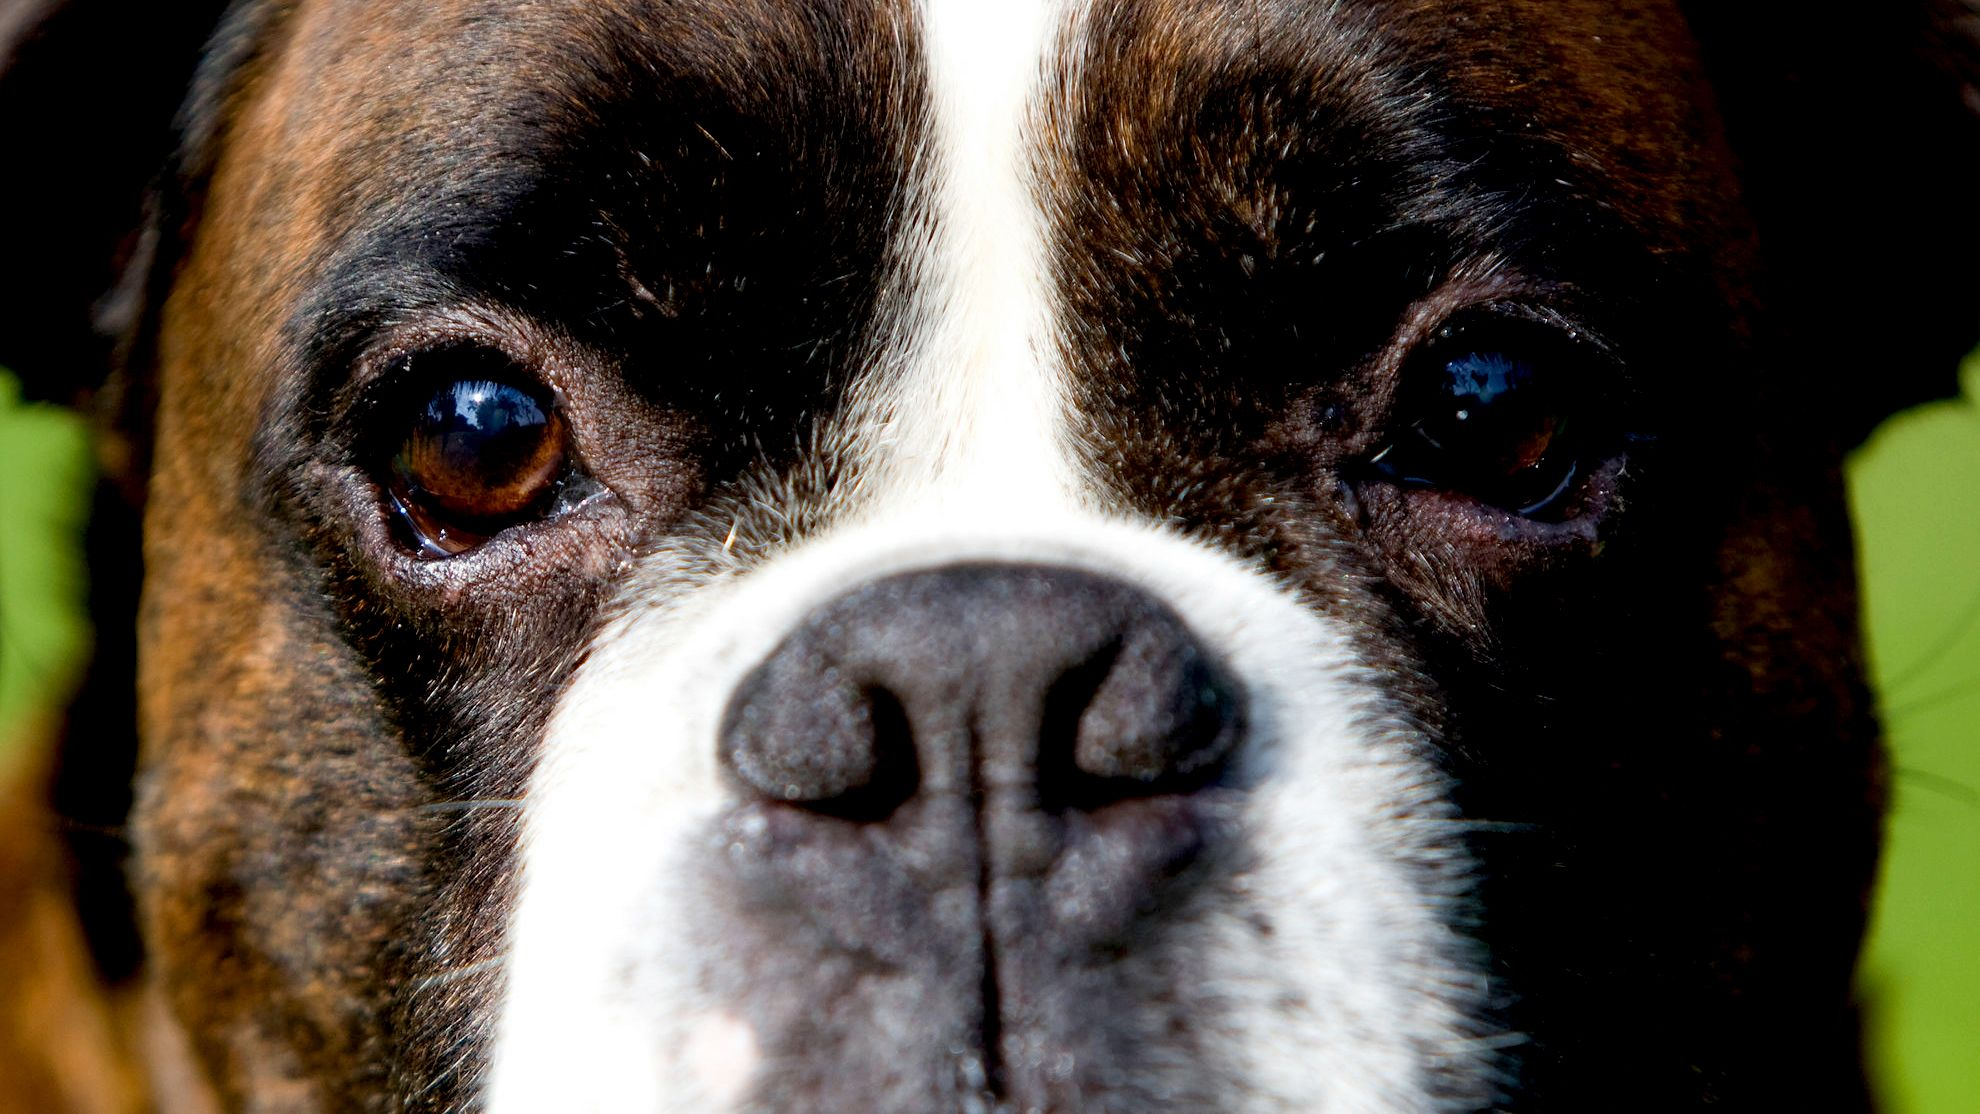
(1682, 750)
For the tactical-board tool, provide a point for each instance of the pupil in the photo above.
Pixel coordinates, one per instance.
(1479, 410)
(484, 427)
(1476, 380)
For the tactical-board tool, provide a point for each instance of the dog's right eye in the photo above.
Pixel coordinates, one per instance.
(1500, 411)
(479, 454)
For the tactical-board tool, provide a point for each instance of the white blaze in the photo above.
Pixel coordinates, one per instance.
(973, 428)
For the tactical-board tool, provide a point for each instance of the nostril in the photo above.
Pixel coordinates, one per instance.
(799, 732)
(1153, 721)
(1152, 714)
(976, 676)
(895, 775)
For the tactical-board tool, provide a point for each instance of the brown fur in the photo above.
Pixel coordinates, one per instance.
(1696, 759)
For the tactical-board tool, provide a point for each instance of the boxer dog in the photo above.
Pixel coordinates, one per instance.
(1058, 555)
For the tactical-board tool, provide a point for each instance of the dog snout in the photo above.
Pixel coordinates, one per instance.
(970, 801)
(1030, 687)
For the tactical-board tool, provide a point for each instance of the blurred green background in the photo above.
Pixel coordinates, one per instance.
(1916, 491)
(1916, 488)
(44, 484)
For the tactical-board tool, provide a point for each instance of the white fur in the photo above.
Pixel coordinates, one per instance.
(961, 455)
(974, 423)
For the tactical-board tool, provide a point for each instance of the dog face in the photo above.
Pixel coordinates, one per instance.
(1041, 556)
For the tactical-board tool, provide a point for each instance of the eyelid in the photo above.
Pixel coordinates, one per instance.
(1600, 378)
(1544, 323)
(370, 372)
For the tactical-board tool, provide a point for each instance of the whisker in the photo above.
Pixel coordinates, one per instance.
(467, 1049)
(456, 974)
(1952, 788)
(1495, 825)
(70, 826)
(1962, 690)
(472, 805)
(1951, 636)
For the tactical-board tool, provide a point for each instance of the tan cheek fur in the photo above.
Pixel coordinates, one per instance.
(225, 660)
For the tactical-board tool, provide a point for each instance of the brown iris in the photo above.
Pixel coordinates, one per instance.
(481, 455)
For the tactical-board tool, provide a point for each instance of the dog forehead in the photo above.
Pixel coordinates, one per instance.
(360, 105)
(1608, 98)
(350, 112)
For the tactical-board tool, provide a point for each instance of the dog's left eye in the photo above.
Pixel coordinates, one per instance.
(1496, 413)
(479, 455)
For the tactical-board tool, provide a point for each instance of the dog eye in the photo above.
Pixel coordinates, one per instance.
(479, 455)
(1495, 413)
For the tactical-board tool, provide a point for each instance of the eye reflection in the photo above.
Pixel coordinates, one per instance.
(1493, 409)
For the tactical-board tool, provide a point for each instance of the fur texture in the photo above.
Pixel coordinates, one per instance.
(1565, 810)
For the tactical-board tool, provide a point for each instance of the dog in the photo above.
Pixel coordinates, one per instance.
(1119, 555)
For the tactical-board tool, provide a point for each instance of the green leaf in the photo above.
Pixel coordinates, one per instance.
(44, 484)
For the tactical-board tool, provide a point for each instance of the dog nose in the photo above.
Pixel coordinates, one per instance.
(1040, 687)
(976, 795)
